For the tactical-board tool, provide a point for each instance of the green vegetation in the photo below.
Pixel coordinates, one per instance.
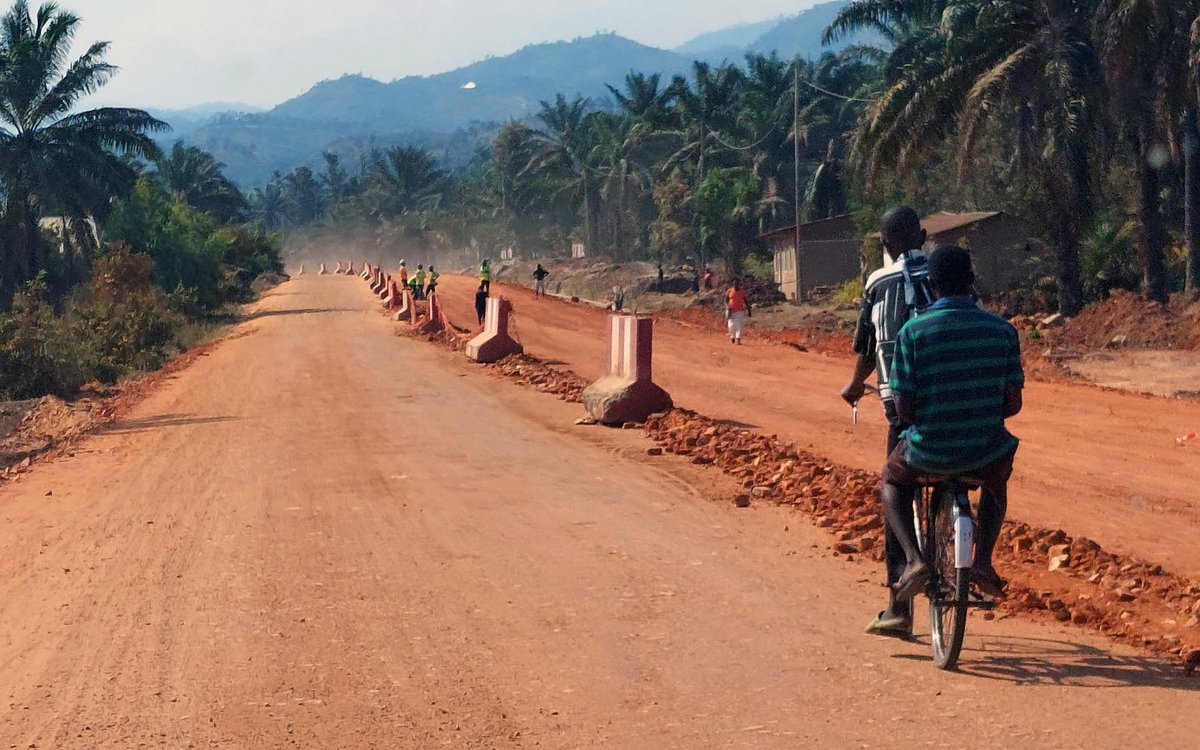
(1079, 117)
(113, 254)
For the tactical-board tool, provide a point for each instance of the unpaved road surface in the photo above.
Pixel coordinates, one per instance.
(326, 536)
(1095, 463)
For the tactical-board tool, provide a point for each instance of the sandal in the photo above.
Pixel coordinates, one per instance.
(988, 581)
(912, 582)
(890, 626)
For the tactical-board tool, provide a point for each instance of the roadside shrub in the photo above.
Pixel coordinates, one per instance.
(132, 322)
(848, 294)
(40, 352)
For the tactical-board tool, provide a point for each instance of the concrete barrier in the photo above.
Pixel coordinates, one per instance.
(301, 271)
(394, 295)
(366, 272)
(408, 308)
(350, 268)
(435, 320)
(494, 344)
(627, 392)
(339, 268)
(387, 285)
(377, 281)
(322, 272)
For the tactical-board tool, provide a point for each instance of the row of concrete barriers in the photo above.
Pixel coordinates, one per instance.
(626, 393)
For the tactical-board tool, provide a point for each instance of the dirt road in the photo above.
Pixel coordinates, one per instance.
(326, 536)
(1095, 463)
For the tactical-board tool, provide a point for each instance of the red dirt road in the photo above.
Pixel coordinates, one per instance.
(1095, 463)
(325, 536)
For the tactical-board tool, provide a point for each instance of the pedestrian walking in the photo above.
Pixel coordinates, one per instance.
(737, 309)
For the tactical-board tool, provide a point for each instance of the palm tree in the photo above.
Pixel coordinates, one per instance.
(195, 177)
(958, 66)
(269, 206)
(644, 100)
(562, 154)
(52, 158)
(707, 106)
(403, 181)
(1139, 40)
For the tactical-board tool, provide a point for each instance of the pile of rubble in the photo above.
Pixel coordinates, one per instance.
(1053, 575)
(528, 371)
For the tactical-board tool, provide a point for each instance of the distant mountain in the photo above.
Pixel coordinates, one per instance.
(789, 36)
(421, 110)
(503, 88)
(184, 121)
(734, 38)
(454, 113)
(800, 35)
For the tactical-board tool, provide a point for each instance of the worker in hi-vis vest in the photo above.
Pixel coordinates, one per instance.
(485, 274)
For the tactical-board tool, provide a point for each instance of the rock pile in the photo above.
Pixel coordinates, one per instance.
(531, 372)
(1053, 575)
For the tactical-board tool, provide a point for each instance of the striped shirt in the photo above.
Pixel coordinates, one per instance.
(957, 362)
(887, 306)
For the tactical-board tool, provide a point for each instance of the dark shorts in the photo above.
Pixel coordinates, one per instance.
(897, 471)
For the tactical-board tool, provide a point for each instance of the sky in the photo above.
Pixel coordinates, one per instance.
(177, 53)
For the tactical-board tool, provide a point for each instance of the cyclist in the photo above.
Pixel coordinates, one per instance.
(894, 295)
(956, 377)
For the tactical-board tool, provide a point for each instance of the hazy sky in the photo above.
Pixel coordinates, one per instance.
(176, 53)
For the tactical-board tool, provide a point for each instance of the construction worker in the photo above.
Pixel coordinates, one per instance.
(403, 274)
(485, 274)
(419, 282)
(432, 282)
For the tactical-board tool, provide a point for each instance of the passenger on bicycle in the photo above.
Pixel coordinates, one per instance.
(956, 376)
(894, 295)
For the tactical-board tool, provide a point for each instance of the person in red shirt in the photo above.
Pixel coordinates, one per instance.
(737, 309)
(403, 275)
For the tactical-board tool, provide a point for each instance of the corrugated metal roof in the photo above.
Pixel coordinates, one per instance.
(790, 231)
(944, 221)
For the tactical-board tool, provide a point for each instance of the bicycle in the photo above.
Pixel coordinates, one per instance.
(946, 538)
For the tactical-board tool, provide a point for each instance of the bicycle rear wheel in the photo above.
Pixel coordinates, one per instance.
(949, 587)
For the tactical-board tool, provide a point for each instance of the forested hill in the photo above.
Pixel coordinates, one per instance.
(505, 88)
(347, 114)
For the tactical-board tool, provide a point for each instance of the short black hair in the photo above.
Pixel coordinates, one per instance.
(902, 221)
(950, 270)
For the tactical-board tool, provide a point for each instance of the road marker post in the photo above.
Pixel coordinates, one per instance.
(627, 393)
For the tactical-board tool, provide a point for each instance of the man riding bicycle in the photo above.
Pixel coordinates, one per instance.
(956, 377)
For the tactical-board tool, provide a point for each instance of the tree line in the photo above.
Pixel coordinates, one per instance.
(1077, 116)
(112, 253)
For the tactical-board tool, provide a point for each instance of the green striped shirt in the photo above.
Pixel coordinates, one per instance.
(957, 362)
